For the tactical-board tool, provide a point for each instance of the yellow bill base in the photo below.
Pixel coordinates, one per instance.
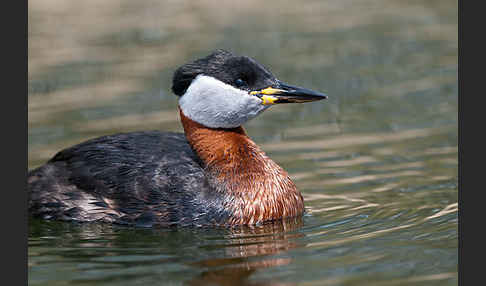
(267, 100)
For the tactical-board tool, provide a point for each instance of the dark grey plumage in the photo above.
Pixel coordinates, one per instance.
(154, 178)
(226, 67)
(140, 178)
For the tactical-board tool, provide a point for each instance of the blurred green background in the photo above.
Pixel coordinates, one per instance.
(376, 162)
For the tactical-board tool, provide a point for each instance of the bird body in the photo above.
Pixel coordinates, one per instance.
(213, 174)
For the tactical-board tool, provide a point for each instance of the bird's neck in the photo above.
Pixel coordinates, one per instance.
(261, 189)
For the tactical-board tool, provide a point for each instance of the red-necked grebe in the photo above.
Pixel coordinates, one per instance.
(214, 174)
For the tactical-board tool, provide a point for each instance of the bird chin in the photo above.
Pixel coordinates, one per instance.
(215, 104)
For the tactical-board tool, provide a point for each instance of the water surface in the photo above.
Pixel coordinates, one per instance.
(377, 162)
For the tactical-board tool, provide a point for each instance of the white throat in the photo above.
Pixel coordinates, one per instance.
(216, 104)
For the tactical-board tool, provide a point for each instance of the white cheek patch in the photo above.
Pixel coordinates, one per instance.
(215, 104)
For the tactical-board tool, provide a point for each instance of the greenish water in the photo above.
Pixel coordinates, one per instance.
(377, 162)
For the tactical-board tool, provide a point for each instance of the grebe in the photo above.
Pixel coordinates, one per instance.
(213, 175)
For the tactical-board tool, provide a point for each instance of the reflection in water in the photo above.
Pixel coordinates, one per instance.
(244, 245)
(237, 253)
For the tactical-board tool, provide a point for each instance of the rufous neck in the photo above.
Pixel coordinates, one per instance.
(222, 149)
(256, 188)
